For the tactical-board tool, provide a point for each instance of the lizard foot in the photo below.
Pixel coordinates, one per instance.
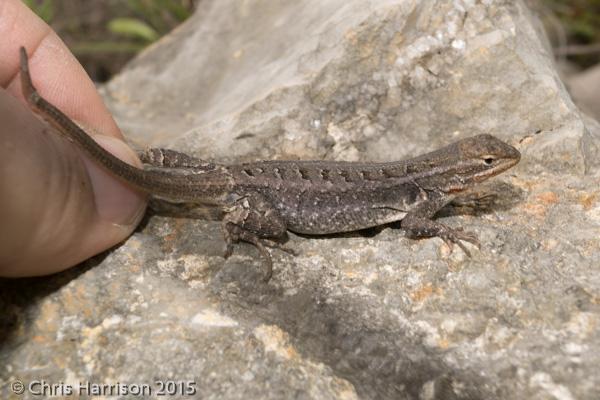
(457, 236)
(422, 227)
(276, 245)
(475, 201)
(234, 233)
(257, 242)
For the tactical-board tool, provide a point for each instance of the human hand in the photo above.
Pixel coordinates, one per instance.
(57, 208)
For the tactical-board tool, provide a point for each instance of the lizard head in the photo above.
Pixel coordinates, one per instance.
(485, 156)
(469, 161)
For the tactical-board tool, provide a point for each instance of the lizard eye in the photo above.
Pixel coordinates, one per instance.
(489, 160)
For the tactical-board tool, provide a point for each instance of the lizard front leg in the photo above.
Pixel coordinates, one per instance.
(418, 224)
(251, 218)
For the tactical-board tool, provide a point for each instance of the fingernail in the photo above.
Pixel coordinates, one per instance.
(116, 201)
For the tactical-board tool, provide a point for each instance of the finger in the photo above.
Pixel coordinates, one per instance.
(57, 207)
(48, 209)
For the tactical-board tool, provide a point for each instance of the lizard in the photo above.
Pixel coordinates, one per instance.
(260, 201)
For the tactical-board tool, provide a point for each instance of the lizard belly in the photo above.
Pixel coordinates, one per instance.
(341, 220)
(324, 212)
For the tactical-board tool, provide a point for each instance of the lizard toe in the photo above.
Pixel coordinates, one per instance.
(458, 236)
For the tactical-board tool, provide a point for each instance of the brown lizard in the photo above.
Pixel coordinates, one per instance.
(263, 200)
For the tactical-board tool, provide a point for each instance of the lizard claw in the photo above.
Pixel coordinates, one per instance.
(234, 233)
(476, 200)
(457, 236)
(230, 238)
(228, 251)
(266, 256)
(276, 245)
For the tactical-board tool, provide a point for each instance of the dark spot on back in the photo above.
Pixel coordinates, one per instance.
(244, 135)
(369, 175)
(304, 174)
(346, 175)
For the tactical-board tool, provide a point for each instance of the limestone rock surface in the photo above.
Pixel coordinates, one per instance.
(355, 316)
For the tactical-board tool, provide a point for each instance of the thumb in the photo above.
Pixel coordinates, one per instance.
(56, 208)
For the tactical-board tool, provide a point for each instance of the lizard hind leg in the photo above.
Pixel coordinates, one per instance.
(252, 219)
(234, 234)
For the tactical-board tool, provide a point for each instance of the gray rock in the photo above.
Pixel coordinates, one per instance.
(584, 88)
(353, 316)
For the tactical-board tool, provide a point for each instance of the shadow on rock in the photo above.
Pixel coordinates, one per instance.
(19, 296)
(370, 349)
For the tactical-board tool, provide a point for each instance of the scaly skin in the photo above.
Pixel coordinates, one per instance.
(265, 199)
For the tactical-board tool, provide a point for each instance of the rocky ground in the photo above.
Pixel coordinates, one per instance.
(370, 315)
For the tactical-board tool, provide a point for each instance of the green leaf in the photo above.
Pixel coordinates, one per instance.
(44, 10)
(132, 27)
(80, 48)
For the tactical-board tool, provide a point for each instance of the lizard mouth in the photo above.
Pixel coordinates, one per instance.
(502, 166)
